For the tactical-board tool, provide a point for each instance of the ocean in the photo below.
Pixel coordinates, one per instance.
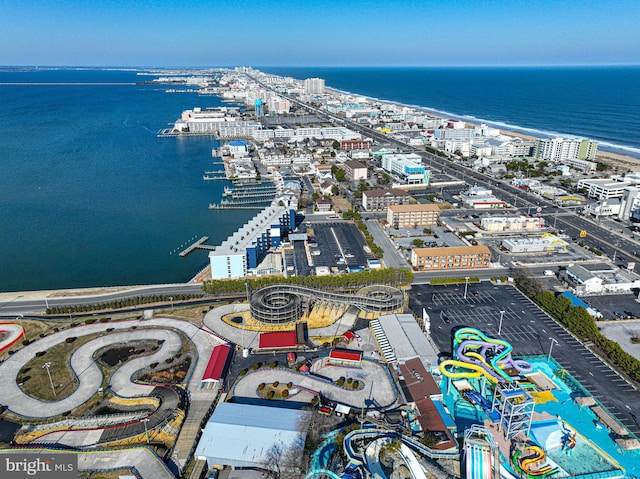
(91, 197)
(600, 103)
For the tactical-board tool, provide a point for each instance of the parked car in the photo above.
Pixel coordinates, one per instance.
(619, 314)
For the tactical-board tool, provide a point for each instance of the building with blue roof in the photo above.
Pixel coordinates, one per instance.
(242, 435)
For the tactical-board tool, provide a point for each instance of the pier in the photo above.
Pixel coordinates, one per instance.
(245, 192)
(200, 244)
(214, 175)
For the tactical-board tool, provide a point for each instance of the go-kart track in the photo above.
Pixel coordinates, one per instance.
(89, 378)
(10, 333)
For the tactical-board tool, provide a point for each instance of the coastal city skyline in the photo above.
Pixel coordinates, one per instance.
(320, 240)
(405, 33)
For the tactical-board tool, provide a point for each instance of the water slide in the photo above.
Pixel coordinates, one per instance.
(478, 461)
(531, 462)
(471, 348)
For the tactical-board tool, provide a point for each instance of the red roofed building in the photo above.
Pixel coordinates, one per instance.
(216, 367)
(345, 357)
(278, 340)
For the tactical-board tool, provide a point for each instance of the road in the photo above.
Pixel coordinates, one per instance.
(391, 256)
(36, 302)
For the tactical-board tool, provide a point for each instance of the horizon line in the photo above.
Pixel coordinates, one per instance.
(138, 67)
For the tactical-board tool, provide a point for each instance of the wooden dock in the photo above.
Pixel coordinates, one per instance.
(196, 245)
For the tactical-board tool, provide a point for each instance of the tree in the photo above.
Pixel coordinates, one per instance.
(526, 283)
(335, 145)
(339, 174)
(418, 243)
(335, 190)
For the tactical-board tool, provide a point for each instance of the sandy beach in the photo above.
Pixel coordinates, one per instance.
(619, 162)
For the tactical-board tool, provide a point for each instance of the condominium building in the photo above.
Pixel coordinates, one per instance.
(244, 249)
(380, 200)
(314, 86)
(354, 170)
(410, 216)
(408, 167)
(355, 144)
(559, 149)
(457, 257)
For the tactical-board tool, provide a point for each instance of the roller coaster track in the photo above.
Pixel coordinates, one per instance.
(282, 303)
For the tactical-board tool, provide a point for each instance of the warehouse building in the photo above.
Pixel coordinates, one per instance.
(244, 436)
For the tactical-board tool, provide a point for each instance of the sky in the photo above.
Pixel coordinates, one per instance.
(192, 33)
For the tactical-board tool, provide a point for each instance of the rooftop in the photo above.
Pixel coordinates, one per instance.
(451, 250)
(414, 208)
(389, 192)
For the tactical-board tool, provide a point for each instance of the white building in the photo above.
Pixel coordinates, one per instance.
(244, 249)
(511, 223)
(248, 436)
(481, 198)
(603, 189)
(546, 243)
(314, 86)
(408, 167)
(610, 207)
(560, 149)
(629, 203)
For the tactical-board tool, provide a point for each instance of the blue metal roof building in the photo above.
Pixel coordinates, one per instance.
(241, 435)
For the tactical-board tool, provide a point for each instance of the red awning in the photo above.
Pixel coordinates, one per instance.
(284, 339)
(345, 355)
(217, 363)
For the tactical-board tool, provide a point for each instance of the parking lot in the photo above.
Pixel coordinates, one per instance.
(608, 305)
(337, 245)
(529, 330)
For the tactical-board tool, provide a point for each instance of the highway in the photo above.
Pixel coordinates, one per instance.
(28, 303)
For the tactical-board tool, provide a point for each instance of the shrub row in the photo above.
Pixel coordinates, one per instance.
(120, 303)
(346, 281)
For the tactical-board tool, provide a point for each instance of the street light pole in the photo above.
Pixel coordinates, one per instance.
(47, 365)
(500, 326)
(551, 348)
(146, 431)
(171, 300)
(466, 285)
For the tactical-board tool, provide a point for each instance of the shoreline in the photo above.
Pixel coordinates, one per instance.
(605, 152)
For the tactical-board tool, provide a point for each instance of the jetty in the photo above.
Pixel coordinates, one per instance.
(200, 244)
